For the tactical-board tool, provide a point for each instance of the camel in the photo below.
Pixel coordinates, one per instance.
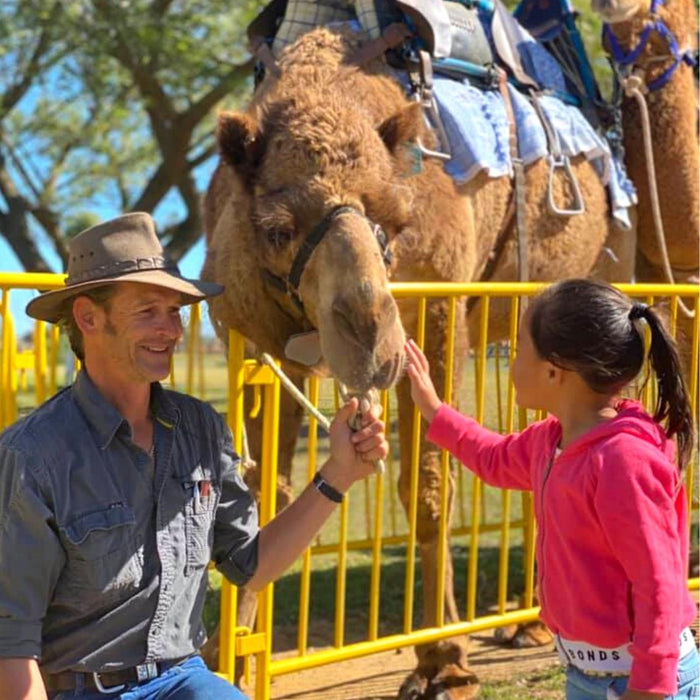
(673, 116)
(321, 152)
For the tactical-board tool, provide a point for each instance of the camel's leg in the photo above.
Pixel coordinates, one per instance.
(291, 415)
(442, 670)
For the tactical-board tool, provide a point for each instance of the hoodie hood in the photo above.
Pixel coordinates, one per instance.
(632, 419)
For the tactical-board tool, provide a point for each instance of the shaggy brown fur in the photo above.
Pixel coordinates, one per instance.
(326, 134)
(673, 113)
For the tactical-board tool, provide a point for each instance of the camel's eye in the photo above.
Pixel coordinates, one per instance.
(279, 237)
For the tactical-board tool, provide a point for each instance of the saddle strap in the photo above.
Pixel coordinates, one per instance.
(391, 37)
(519, 179)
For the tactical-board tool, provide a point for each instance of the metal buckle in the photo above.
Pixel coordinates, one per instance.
(102, 689)
(147, 671)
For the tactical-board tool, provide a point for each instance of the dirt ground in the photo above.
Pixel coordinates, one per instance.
(378, 677)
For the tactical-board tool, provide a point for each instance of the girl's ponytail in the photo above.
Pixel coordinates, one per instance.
(673, 402)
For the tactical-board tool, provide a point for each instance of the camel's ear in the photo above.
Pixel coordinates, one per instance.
(240, 143)
(402, 127)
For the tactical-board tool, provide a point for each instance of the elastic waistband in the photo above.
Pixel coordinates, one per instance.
(603, 661)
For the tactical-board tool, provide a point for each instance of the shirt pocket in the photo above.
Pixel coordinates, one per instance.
(103, 553)
(201, 496)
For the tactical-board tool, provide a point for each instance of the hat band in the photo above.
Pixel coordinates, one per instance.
(122, 267)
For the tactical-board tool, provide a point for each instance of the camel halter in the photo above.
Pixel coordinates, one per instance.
(627, 59)
(290, 284)
(634, 86)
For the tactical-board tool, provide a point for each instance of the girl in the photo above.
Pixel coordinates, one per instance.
(612, 539)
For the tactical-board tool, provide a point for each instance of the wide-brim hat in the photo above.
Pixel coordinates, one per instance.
(125, 249)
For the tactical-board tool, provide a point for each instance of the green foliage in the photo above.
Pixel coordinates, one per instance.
(109, 106)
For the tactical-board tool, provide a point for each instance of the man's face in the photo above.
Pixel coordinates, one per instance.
(138, 331)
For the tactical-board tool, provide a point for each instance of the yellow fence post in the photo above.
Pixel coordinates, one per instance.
(238, 641)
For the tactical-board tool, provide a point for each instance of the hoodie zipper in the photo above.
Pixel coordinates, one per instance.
(540, 564)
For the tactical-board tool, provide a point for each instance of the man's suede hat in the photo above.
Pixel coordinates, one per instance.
(125, 249)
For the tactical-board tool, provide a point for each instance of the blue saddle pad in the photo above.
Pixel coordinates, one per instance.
(477, 129)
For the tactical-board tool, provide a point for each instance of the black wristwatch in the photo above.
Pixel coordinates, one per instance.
(326, 489)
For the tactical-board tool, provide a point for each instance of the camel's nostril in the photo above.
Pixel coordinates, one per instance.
(389, 373)
(354, 324)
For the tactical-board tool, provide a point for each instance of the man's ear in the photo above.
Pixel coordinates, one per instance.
(85, 314)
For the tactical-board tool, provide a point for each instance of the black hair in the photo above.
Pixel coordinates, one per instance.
(591, 328)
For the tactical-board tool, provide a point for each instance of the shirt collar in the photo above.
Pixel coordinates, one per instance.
(107, 420)
(163, 407)
(100, 413)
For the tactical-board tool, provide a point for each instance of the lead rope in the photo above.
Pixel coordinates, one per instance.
(355, 423)
(634, 86)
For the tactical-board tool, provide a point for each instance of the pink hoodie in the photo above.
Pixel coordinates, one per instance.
(612, 538)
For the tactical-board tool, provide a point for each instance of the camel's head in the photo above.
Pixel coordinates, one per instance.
(326, 200)
(614, 11)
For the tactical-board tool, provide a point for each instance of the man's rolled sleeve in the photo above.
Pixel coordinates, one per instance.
(31, 556)
(236, 528)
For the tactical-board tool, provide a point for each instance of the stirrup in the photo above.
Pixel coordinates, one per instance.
(562, 161)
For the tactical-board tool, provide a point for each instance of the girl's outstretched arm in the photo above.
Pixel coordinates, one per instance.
(422, 388)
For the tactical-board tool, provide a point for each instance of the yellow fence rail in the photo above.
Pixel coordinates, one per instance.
(370, 522)
(476, 618)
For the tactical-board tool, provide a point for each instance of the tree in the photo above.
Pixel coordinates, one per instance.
(109, 105)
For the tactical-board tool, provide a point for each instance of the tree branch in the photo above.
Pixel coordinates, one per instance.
(14, 227)
(199, 109)
(17, 91)
(184, 235)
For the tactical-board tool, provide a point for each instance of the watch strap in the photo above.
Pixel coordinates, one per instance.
(326, 489)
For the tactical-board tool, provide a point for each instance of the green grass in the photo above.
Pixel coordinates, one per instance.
(548, 683)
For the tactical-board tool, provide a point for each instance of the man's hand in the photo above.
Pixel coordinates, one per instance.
(422, 389)
(353, 453)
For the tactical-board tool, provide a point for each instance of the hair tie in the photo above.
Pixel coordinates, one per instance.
(638, 310)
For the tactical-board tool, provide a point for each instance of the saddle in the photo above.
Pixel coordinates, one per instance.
(453, 33)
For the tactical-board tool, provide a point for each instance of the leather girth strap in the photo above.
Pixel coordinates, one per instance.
(519, 180)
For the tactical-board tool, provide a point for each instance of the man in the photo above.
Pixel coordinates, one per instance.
(115, 494)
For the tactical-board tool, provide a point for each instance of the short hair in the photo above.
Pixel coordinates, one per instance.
(98, 295)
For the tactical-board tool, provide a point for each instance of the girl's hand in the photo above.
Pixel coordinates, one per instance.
(422, 389)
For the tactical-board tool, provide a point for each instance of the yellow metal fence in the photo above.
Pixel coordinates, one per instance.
(472, 520)
(370, 523)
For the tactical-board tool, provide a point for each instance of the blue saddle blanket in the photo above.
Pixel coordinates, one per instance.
(476, 126)
(477, 129)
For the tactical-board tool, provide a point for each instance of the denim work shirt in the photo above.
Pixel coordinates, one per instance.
(103, 560)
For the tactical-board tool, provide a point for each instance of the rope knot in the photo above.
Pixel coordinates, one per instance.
(634, 83)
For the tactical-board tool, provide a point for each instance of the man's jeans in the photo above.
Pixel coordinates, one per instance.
(191, 680)
(579, 686)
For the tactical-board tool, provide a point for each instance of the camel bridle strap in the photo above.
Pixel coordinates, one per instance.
(290, 284)
(626, 60)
